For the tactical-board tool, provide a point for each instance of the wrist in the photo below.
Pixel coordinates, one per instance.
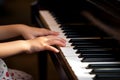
(19, 28)
(25, 46)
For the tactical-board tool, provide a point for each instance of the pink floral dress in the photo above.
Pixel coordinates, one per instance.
(12, 74)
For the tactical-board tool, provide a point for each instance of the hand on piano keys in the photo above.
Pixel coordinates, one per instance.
(40, 39)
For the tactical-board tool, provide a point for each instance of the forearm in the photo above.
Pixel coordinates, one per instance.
(12, 48)
(9, 31)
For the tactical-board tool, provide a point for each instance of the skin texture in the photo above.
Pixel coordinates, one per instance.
(36, 39)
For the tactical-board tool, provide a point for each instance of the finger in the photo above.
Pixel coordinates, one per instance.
(50, 32)
(56, 42)
(51, 48)
(54, 33)
(47, 32)
(57, 38)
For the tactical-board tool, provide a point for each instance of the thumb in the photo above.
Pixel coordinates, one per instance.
(51, 48)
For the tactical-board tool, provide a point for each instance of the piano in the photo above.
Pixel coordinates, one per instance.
(92, 31)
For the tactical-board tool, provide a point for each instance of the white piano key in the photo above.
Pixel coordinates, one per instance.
(77, 61)
(102, 62)
(85, 76)
(82, 73)
(68, 51)
(78, 70)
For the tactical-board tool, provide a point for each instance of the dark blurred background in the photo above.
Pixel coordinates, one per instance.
(15, 11)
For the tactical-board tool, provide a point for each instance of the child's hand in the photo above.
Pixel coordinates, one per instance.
(33, 32)
(45, 43)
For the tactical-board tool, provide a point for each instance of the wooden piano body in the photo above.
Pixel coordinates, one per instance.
(95, 21)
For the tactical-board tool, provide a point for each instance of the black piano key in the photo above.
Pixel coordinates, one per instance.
(75, 30)
(87, 46)
(100, 42)
(95, 52)
(71, 33)
(96, 55)
(99, 59)
(95, 40)
(76, 36)
(84, 43)
(94, 44)
(104, 66)
(105, 70)
(94, 49)
(107, 77)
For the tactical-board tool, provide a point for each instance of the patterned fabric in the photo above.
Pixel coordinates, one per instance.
(12, 74)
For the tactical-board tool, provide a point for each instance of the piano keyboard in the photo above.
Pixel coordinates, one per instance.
(89, 56)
